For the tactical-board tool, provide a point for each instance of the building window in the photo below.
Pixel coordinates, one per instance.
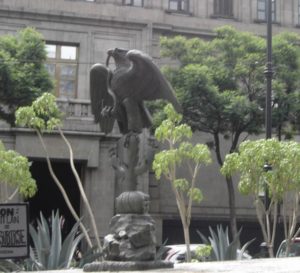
(62, 64)
(223, 8)
(262, 10)
(179, 5)
(137, 3)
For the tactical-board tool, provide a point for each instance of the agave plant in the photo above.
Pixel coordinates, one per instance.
(90, 255)
(49, 252)
(161, 251)
(9, 266)
(222, 248)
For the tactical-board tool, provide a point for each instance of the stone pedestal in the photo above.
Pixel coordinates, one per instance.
(131, 238)
(131, 243)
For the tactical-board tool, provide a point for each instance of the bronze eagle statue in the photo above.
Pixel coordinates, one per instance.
(119, 94)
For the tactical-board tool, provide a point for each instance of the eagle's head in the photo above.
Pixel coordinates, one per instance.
(119, 55)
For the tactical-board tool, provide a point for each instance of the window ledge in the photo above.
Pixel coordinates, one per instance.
(88, 1)
(222, 16)
(179, 12)
(259, 21)
(134, 6)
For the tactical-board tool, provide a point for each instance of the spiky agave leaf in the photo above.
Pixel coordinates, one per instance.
(214, 241)
(69, 247)
(243, 249)
(89, 256)
(55, 249)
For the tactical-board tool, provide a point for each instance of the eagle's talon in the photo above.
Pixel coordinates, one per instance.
(106, 111)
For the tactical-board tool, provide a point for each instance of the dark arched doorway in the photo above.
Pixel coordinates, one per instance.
(48, 197)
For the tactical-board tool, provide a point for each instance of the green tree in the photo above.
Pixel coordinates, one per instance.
(44, 115)
(221, 86)
(179, 153)
(282, 183)
(23, 76)
(285, 86)
(14, 172)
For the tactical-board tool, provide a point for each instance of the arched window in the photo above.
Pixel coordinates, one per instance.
(223, 8)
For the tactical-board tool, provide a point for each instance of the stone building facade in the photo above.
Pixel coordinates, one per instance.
(78, 34)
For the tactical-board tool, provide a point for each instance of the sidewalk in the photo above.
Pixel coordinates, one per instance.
(282, 265)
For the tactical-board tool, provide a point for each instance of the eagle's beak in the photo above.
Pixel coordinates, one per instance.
(109, 54)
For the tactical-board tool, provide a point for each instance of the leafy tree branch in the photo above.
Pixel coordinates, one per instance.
(179, 153)
(44, 115)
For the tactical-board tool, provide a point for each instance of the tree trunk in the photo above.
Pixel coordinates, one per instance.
(271, 251)
(82, 192)
(232, 211)
(63, 192)
(230, 188)
(186, 232)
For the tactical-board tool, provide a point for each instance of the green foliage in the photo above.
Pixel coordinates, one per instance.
(14, 170)
(222, 248)
(158, 116)
(170, 129)
(49, 251)
(180, 152)
(281, 183)
(285, 84)
(195, 194)
(221, 82)
(181, 184)
(172, 132)
(283, 156)
(203, 252)
(43, 114)
(221, 86)
(23, 76)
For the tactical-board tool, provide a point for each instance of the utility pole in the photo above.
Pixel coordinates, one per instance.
(269, 72)
(268, 110)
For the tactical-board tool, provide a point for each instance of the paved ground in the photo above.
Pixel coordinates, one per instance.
(284, 265)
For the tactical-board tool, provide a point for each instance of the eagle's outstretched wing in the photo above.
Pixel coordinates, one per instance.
(100, 96)
(152, 84)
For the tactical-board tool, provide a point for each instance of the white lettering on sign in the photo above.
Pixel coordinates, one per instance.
(12, 238)
(13, 230)
(8, 216)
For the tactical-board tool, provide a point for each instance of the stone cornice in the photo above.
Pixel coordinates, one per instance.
(69, 17)
(99, 135)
